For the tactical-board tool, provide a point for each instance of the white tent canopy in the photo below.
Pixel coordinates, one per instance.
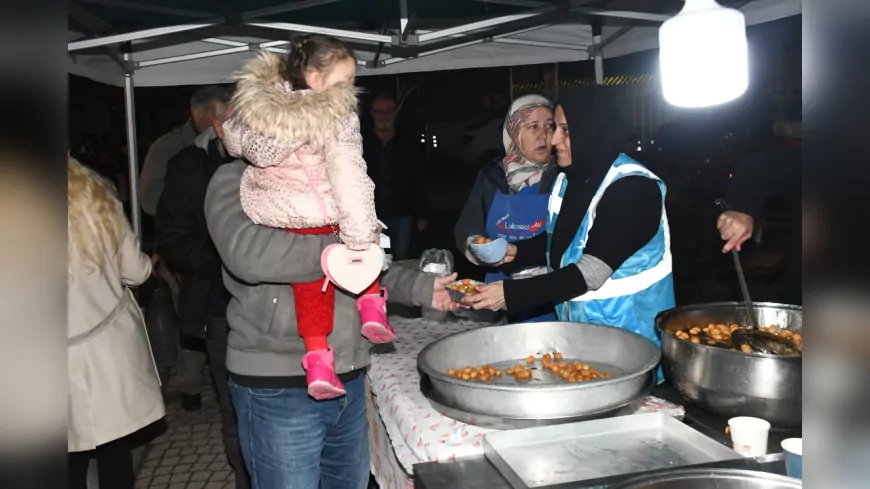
(198, 48)
(196, 60)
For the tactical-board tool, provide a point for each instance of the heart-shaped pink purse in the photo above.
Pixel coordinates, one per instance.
(351, 270)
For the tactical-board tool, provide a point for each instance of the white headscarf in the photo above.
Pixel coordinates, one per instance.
(521, 172)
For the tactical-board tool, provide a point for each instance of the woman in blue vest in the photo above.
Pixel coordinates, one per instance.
(607, 245)
(509, 197)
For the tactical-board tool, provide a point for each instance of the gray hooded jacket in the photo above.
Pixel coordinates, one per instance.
(260, 263)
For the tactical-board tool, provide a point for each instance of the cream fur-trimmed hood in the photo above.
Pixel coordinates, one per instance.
(266, 104)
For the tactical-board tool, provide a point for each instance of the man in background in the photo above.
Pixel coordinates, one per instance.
(396, 164)
(759, 177)
(202, 116)
(185, 245)
(154, 169)
(186, 250)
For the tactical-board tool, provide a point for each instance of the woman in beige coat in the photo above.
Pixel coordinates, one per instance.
(114, 389)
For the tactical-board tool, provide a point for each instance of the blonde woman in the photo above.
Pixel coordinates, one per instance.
(114, 389)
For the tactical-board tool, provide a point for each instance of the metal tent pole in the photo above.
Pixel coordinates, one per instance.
(132, 156)
(599, 70)
(599, 56)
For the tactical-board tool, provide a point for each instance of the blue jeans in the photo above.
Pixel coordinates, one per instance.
(399, 230)
(291, 441)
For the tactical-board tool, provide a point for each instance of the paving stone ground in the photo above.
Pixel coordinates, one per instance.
(190, 454)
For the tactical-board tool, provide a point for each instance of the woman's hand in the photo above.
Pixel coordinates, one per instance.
(490, 296)
(510, 256)
(441, 300)
(735, 228)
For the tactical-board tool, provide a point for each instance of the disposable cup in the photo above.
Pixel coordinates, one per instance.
(749, 435)
(793, 448)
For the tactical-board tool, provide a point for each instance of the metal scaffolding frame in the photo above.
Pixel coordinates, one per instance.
(197, 20)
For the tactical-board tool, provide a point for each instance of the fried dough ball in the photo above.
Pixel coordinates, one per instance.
(466, 286)
(480, 373)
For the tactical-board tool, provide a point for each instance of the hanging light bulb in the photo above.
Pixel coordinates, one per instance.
(703, 55)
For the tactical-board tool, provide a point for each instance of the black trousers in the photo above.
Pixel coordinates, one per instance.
(114, 464)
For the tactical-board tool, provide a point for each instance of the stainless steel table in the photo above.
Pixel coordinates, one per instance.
(478, 473)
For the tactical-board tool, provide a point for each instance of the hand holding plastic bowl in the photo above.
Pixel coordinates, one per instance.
(490, 252)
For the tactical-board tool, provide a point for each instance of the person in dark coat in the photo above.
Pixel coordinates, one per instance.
(761, 176)
(185, 245)
(396, 164)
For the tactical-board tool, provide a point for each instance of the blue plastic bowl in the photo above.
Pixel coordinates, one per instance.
(793, 450)
(492, 252)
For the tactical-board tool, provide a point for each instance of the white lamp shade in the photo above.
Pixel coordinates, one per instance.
(703, 55)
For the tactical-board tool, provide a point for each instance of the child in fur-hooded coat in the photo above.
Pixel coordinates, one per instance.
(307, 175)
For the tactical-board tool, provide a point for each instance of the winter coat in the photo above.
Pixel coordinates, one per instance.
(183, 239)
(156, 161)
(260, 263)
(305, 151)
(114, 389)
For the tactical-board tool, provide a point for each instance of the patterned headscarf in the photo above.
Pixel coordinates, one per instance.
(521, 172)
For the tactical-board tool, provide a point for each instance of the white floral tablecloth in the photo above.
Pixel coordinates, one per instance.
(416, 432)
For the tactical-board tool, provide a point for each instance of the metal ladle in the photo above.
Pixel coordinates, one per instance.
(758, 341)
(762, 342)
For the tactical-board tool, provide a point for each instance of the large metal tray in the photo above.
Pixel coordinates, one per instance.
(629, 357)
(502, 423)
(549, 455)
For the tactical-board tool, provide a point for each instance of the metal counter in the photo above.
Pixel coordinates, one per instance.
(479, 473)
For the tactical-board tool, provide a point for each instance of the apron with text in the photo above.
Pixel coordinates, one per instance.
(517, 217)
(641, 287)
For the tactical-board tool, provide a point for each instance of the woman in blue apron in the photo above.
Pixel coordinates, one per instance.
(607, 245)
(509, 197)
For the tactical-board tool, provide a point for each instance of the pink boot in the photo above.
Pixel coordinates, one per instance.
(373, 314)
(323, 383)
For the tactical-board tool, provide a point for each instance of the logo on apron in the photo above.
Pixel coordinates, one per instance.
(508, 227)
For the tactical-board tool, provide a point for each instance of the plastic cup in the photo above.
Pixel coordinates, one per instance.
(749, 435)
(793, 448)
